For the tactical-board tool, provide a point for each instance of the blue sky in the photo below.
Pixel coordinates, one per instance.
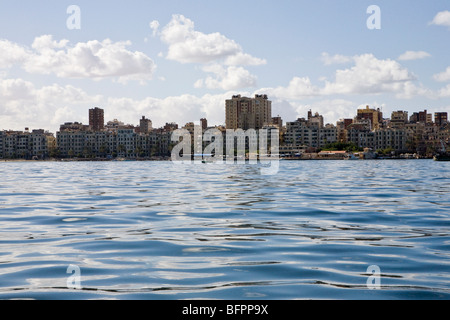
(316, 55)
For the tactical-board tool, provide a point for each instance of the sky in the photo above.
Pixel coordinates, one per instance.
(178, 61)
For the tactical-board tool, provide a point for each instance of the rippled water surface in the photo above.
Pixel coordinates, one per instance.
(154, 230)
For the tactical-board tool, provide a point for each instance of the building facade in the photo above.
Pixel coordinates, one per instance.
(374, 115)
(248, 113)
(145, 125)
(38, 144)
(96, 119)
(311, 132)
(441, 119)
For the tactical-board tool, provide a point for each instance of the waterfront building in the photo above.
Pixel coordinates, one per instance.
(146, 125)
(204, 124)
(71, 143)
(390, 138)
(96, 119)
(416, 134)
(399, 119)
(315, 120)
(126, 140)
(342, 129)
(73, 126)
(441, 119)
(248, 113)
(374, 115)
(27, 145)
(169, 127)
(310, 132)
(114, 125)
(278, 122)
(421, 117)
(41, 144)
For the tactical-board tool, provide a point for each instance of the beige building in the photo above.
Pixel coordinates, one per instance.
(374, 115)
(399, 119)
(248, 113)
(311, 132)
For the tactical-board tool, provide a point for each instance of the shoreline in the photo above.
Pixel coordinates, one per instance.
(168, 160)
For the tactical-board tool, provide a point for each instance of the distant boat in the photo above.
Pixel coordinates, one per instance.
(351, 156)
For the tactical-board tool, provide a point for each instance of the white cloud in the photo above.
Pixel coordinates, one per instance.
(332, 110)
(15, 90)
(445, 92)
(46, 43)
(220, 55)
(186, 45)
(230, 78)
(442, 19)
(298, 88)
(370, 76)
(336, 59)
(90, 60)
(23, 104)
(154, 25)
(179, 109)
(244, 59)
(410, 90)
(414, 55)
(11, 54)
(443, 76)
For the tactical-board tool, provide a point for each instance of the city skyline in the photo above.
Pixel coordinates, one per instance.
(175, 62)
(93, 123)
(415, 134)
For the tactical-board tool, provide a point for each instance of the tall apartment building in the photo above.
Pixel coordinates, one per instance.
(248, 113)
(96, 119)
(441, 119)
(146, 125)
(204, 123)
